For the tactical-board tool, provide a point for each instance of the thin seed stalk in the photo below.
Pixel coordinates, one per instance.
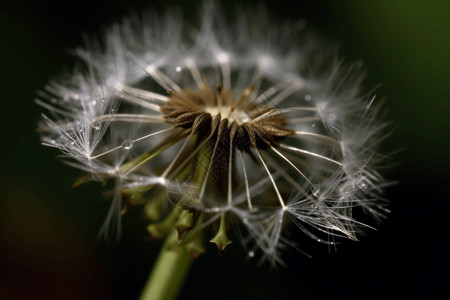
(146, 157)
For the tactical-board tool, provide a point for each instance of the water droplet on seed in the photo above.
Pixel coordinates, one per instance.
(178, 68)
(308, 97)
(316, 192)
(332, 117)
(96, 125)
(127, 144)
(251, 254)
(66, 98)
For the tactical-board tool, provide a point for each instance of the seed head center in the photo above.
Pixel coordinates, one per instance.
(220, 114)
(229, 113)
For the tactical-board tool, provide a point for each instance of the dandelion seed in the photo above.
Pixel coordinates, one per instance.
(224, 138)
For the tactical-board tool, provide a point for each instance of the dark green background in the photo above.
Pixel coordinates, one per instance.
(48, 246)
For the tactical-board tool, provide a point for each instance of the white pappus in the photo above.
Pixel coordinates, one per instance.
(241, 125)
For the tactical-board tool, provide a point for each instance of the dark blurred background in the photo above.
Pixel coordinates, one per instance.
(48, 230)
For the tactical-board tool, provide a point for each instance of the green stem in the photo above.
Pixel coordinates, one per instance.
(169, 271)
(176, 255)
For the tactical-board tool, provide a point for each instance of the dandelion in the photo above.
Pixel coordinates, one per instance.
(221, 132)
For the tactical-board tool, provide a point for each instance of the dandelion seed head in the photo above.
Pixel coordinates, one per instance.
(221, 126)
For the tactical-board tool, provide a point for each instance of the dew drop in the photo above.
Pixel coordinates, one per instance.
(178, 68)
(127, 144)
(66, 98)
(313, 125)
(363, 186)
(308, 97)
(96, 125)
(332, 117)
(251, 254)
(316, 192)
